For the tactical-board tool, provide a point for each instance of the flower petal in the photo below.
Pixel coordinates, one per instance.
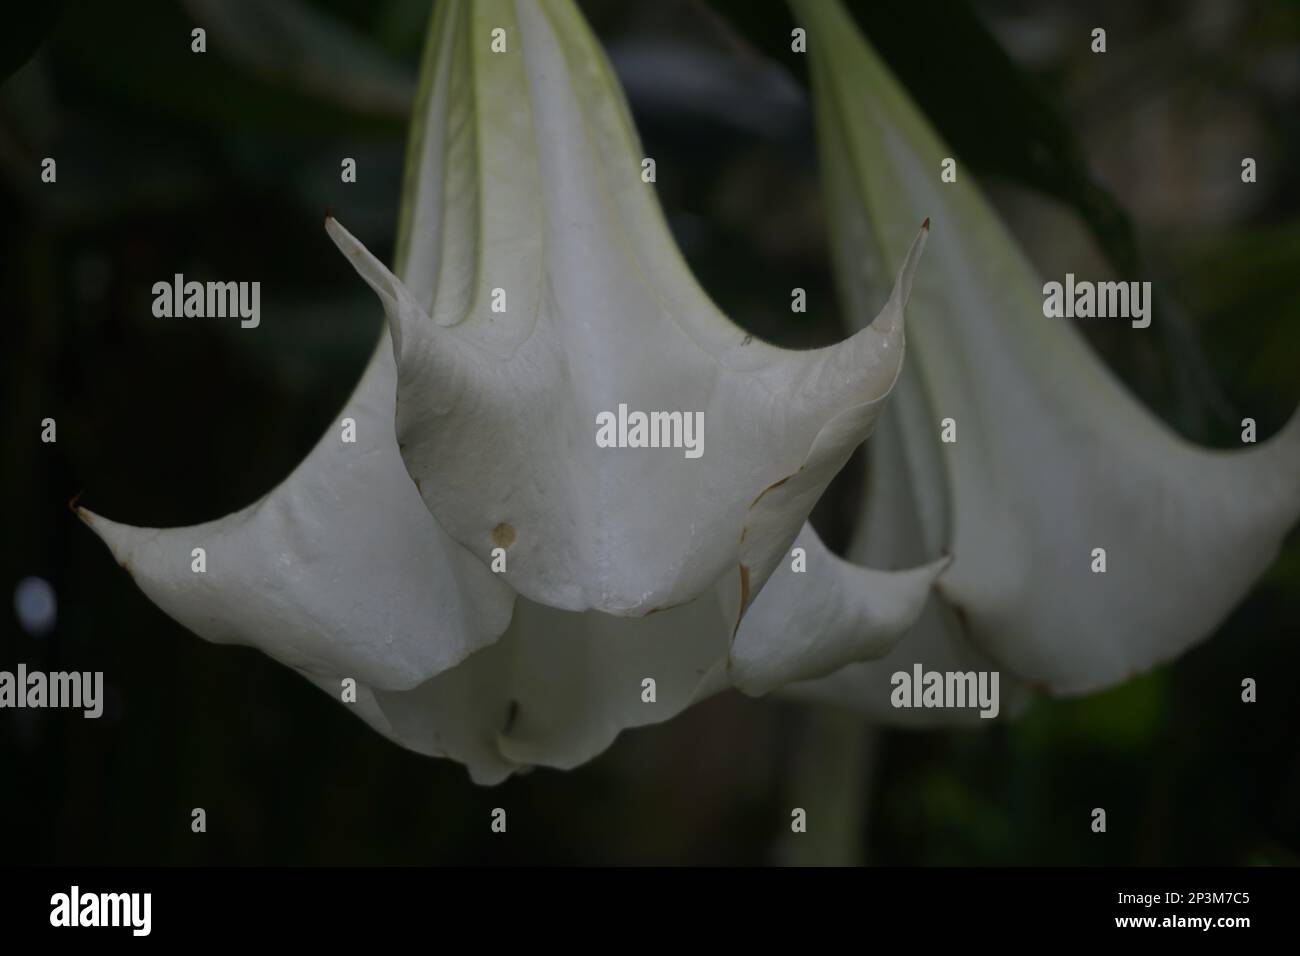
(338, 571)
(807, 623)
(559, 686)
(1053, 456)
(559, 296)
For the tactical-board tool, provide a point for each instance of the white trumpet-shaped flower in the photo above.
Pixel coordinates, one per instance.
(560, 297)
(1053, 458)
(342, 573)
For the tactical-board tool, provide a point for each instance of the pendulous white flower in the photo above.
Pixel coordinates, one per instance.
(558, 296)
(1053, 457)
(342, 573)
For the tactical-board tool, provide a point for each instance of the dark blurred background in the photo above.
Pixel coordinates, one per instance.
(222, 165)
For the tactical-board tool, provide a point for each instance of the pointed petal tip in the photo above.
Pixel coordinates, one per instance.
(396, 300)
(97, 523)
(115, 536)
(923, 579)
(346, 242)
(903, 282)
(918, 244)
(378, 276)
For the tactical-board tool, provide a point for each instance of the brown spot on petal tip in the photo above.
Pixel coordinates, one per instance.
(504, 535)
(926, 225)
(329, 214)
(72, 506)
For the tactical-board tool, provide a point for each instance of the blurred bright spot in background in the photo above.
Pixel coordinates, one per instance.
(36, 606)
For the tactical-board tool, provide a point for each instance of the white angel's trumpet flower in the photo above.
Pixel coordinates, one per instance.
(1053, 458)
(343, 574)
(560, 302)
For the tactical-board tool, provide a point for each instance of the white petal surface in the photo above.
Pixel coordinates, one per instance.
(536, 171)
(904, 522)
(559, 686)
(1054, 457)
(808, 623)
(338, 571)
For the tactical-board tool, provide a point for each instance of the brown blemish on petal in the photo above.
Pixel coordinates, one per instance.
(926, 225)
(773, 487)
(744, 571)
(744, 530)
(776, 484)
(504, 535)
(744, 597)
(667, 607)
